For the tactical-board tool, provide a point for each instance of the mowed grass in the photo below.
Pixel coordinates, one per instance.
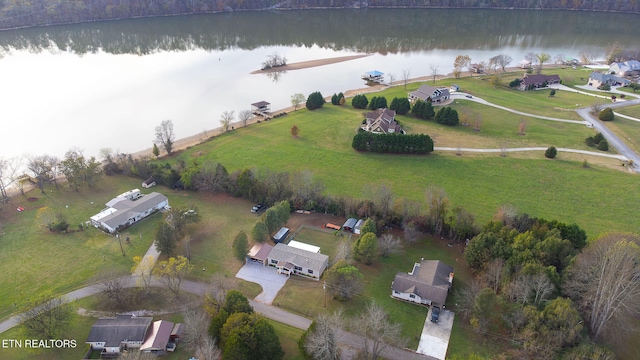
(598, 199)
(627, 130)
(326, 240)
(288, 336)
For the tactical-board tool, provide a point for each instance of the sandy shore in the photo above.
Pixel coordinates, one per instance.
(310, 64)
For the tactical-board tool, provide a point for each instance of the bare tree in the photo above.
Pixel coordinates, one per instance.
(596, 108)
(382, 198)
(493, 273)
(504, 60)
(226, 119)
(296, 100)
(522, 127)
(244, 116)
(406, 75)
(604, 282)
(142, 270)
(196, 337)
(392, 78)
(137, 355)
(493, 63)
(589, 56)
(165, 136)
(8, 170)
(560, 58)
(39, 166)
(208, 350)
(541, 287)
(434, 71)
(438, 204)
(343, 251)
(321, 342)
(411, 233)
(503, 148)
(376, 331)
(114, 295)
(389, 244)
(477, 123)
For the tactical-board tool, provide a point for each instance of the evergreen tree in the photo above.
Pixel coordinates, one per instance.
(315, 101)
(240, 246)
(360, 101)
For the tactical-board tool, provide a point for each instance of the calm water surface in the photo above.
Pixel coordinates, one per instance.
(109, 84)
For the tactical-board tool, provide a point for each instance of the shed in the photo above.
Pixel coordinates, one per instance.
(332, 226)
(454, 87)
(349, 224)
(356, 229)
(176, 333)
(148, 183)
(281, 235)
(304, 246)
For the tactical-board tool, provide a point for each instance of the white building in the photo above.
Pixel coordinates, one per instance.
(128, 208)
(292, 260)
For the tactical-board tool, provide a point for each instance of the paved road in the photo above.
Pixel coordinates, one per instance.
(586, 152)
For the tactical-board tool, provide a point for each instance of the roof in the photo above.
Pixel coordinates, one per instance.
(260, 104)
(284, 253)
(158, 336)
(260, 251)
(149, 181)
(374, 73)
(425, 92)
(383, 119)
(631, 65)
(429, 280)
(304, 246)
(607, 77)
(350, 223)
(113, 331)
(282, 232)
(359, 224)
(126, 208)
(177, 330)
(539, 79)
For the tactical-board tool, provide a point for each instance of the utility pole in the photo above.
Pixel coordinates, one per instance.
(120, 241)
(324, 290)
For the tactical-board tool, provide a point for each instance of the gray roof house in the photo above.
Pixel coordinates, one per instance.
(112, 335)
(428, 283)
(382, 121)
(122, 211)
(290, 260)
(597, 79)
(627, 68)
(538, 81)
(430, 93)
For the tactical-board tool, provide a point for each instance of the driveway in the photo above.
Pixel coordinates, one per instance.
(265, 276)
(434, 340)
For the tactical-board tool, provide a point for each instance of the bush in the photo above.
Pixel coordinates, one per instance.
(400, 105)
(603, 145)
(515, 83)
(551, 152)
(393, 143)
(423, 110)
(378, 102)
(315, 101)
(360, 102)
(606, 115)
(447, 116)
(605, 87)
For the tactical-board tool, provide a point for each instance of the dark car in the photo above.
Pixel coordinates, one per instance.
(469, 96)
(256, 208)
(435, 314)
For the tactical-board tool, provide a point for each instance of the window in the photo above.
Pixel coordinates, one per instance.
(297, 268)
(274, 261)
(412, 296)
(310, 271)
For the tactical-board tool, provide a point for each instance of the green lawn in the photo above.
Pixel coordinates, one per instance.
(633, 111)
(627, 130)
(326, 240)
(288, 336)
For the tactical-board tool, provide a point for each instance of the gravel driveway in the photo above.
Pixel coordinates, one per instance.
(265, 276)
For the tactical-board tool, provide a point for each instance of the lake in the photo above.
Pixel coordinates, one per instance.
(110, 84)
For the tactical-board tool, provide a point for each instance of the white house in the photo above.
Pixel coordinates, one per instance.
(292, 260)
(112, 335)
(428, 283)
(627, 68)
(127, 209)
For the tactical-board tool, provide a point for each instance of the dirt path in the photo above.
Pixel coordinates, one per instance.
(310, 64)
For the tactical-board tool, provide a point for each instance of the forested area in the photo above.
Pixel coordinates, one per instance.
(17, 14)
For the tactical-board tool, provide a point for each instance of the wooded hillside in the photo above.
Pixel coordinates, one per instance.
(19, 13)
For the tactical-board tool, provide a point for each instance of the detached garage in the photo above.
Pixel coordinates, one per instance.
(259, 252)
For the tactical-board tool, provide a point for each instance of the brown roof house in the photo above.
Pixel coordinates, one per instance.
(430, 93)
(382, 121)
(158, 337)
(428, 283)
(530, 82)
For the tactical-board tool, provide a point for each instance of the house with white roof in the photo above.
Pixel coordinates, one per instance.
(128, 208)
(430, 93)
(627, 68)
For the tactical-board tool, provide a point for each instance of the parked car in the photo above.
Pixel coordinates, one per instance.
(469, 96)
(256, 208)
(435, 314)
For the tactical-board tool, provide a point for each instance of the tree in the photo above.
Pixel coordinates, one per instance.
(295, 131)
(406, 75)
(496, 81)
(46, 317)
(447, 116)
(236, 302)
(343, 281)
(360, 101)
(552, 93)
(376, 331)
(542, 58)
(551, 152)
(259, 232)
(315, 101)
(487, 310)
(503, 60)
(296, 100)
(434, 71)
(165, 136)
(369, 226)
(166, 238)
(226, 119)
(143, 270)
(378, 102)
(195, 335)
(274, 60)
(438, 204)
(604, 282)
(461, 62)
(334, 99)
(389, 244)
(171, 272)
(364, 249)
(423, 110)
(240, 246)
(249, 336)
(114, 295)
(400, 105)
(41, 169)
(244, 116)
(321, 339)
(606, 114)
(155, 151)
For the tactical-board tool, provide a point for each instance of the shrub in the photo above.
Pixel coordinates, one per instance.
(423, 110)
(400, 105)
(360, 102)
(606, 115)
(605, 87)
(315, 101)
(551, 152)
(378, 102)
(515, 83)
(447, 116)
(603, 145)
(393, 143)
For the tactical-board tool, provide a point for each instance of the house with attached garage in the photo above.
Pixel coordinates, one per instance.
(382, 121)
(128, 208)
(111, 336)
(427, 284)
(530, 82)
(597, 79)
(294, 260)
(430, 93)
(627, 68)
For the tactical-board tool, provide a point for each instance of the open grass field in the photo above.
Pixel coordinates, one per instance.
(288, 336)
(633, 111)
(627, 130)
